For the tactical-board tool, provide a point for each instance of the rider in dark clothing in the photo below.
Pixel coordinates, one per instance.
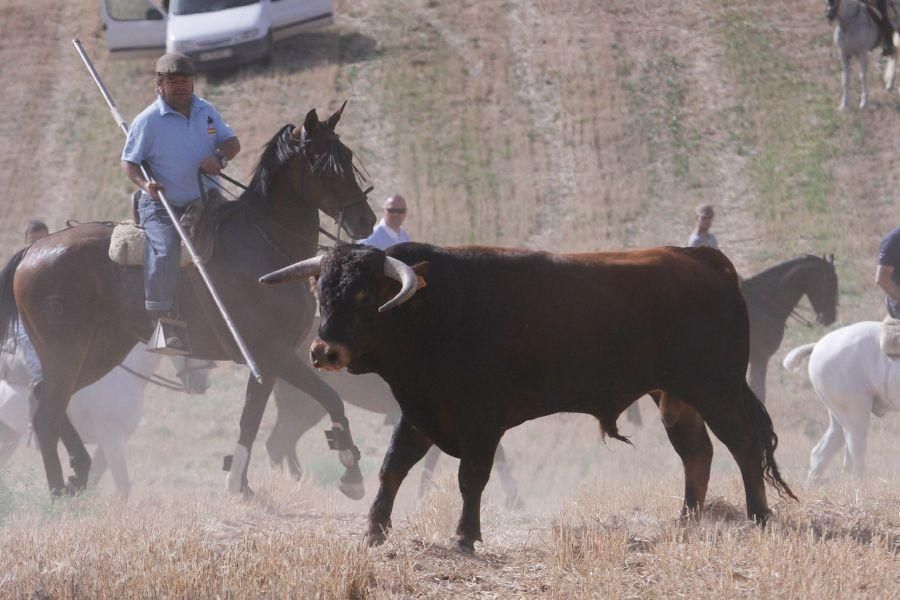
(887, 274)
(887, 29)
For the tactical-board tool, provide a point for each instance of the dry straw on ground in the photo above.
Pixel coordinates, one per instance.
(556, 125)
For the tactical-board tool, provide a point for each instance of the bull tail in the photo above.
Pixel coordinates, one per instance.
(9, 311)
(793, 359)
(768, 441)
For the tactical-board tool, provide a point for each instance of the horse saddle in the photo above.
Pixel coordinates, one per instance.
(128, 241)
(877, 14)
(890, 337)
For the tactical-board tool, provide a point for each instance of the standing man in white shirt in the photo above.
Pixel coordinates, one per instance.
(701, 236)
(389, 231)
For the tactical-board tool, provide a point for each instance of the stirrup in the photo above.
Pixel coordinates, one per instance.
(170, 337)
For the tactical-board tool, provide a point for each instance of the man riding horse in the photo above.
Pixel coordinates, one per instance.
(174, 136)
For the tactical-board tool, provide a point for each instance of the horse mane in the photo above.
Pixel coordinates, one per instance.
(779, 269)
(277, 152)
(281, 148)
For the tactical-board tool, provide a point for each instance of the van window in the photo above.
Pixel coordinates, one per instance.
(128, 10)
(190, 7)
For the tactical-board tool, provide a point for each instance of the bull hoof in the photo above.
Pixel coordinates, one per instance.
(351, 484)
(465, 545)
(761, 518)
(376, 536)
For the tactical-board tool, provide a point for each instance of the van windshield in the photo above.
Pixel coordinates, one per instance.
(190, 7)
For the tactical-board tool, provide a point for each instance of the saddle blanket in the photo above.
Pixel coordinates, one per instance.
(199, 221)
(890, 336)
(126, 247)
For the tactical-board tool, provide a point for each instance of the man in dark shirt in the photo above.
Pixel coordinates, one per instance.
(887, 274)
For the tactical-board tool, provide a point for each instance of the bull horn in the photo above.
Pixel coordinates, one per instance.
(409, 282)
(304, 268)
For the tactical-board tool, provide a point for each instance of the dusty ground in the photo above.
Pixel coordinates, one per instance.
(554, 125)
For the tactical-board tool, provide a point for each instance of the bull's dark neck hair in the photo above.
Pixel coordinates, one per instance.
(278, 152)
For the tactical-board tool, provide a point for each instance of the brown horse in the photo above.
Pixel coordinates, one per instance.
(84, 314)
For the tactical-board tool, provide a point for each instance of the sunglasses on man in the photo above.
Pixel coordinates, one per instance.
(396, 211)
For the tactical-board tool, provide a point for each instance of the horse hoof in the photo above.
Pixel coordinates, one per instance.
(75, 485)
(351, 484)
(354, 491)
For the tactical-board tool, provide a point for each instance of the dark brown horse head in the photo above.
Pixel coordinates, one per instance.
(329, 178)
(310, 164)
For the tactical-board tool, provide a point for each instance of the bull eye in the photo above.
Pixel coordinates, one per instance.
(364, 299)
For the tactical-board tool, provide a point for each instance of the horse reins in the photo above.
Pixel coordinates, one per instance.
(793, 311)
(165, 382)
(155, 379)
(339, 219)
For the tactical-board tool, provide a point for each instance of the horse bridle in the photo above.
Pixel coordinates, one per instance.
(794, 312)
(304, 142)
(338, 217)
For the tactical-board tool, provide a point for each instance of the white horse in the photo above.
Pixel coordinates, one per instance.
(855, 35)
(853, 378)
(105, 413)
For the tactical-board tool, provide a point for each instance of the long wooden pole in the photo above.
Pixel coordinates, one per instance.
(251, 364)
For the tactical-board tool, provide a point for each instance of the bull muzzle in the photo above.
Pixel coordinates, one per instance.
(329, 357)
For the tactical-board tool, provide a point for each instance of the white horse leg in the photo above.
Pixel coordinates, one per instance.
(825, 450)
(890, 68)
(98, 468)
(856, 430)
(863, 79)
(113, 446)
(9, 441)
(845, 71)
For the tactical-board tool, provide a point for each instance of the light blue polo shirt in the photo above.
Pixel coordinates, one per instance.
(174, 145)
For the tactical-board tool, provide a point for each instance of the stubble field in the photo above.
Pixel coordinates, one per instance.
(538, 123)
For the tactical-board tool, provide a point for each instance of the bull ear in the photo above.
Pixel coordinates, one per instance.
(311, 122)
(831, 258)
(421, 268)
(333, 119)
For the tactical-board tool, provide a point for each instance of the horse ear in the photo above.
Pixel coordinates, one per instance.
(311, 122)
(333, 119)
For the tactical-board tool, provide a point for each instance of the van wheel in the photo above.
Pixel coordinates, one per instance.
(266, 60)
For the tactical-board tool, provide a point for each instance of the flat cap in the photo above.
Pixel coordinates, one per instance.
(705, 210)
(174, 63)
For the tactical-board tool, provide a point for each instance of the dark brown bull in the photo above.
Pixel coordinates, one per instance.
(478, 340)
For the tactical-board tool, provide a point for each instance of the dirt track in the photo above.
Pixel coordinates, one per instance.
(562, 126)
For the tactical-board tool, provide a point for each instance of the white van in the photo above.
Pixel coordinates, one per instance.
(214, 33)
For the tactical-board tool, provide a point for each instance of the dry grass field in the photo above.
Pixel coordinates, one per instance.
(540, 123)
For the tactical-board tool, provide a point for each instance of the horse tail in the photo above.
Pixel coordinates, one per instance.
(768, 440)
(793, 359)
(9, 311)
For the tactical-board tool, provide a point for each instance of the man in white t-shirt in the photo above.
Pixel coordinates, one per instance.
(389, 231)
(701, 235)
